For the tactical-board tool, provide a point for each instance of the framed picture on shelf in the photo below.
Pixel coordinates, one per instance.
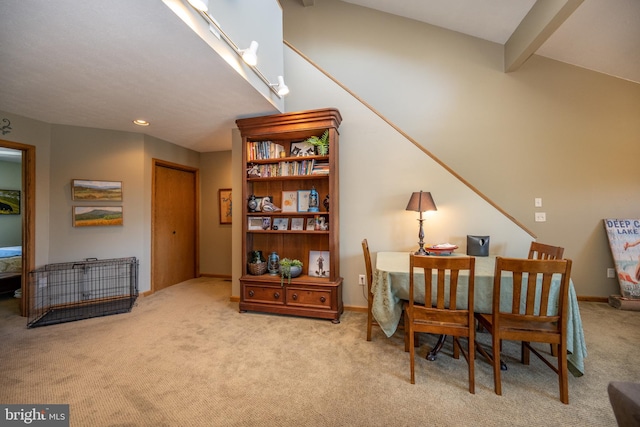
(9, 202)
(88, 216)
(302, 149)
(297, 223)
(224, 198)
(280, 224)
(289, 201)
(266, 222)
(303, 200)
(311, 224)
(319, 263)
(254, 223)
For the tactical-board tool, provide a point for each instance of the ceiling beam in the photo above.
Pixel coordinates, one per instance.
(544, 18)
(306, 3)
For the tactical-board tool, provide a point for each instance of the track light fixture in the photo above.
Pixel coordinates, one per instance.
(250, 55)
(281, 88)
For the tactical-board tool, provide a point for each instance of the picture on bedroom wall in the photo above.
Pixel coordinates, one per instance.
(89, 216)
(96, 191)
(9, 202)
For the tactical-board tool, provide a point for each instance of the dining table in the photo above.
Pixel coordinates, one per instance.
(390, 288)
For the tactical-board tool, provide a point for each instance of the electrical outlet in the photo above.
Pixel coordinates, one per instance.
(362, 280)
(541, 217)
(611, 273)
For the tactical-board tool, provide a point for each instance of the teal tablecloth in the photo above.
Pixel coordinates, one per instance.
(391, 286)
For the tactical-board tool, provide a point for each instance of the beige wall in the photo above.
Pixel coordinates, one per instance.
(548, 130)
(64, 153)
(215, 238)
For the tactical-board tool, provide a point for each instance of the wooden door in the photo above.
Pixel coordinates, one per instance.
(174, 224)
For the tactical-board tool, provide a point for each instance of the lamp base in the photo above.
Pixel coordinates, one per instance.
(421, 251)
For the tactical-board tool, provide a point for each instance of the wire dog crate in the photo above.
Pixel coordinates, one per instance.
(70, 291)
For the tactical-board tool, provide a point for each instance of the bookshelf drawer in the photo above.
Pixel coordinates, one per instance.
(263, 294)
(320, 298)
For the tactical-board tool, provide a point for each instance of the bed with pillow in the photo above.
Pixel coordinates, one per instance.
(10, 268)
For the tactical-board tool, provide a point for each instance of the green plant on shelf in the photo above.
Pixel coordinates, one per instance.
(321, 143)
(289, 268)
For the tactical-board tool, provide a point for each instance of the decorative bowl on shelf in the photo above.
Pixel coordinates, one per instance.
(441, 249)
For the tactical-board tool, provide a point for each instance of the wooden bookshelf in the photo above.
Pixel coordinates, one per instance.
(271, 144)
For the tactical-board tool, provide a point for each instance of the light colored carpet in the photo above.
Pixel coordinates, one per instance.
(185, 356)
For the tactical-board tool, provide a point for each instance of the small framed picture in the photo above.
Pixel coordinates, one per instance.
(254, 223)
(87, 216)
(297, 223)
(10, 202)
(303, 200)
(319, 263)
(266, 222)
(224, 198)
(94, 191)
(289, 201)
(311, 224)
(280, 224)
(302, 149)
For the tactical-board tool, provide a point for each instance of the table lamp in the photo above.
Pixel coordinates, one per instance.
(421, 202)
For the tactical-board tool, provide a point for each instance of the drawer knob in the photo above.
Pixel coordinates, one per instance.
(251, 293)
(276, 295)
(322, 299)
(294, 297)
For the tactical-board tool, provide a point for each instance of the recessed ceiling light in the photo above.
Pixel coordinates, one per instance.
(141, 122)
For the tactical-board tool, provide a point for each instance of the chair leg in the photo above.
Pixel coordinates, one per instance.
(412, 352)
(471, 360)
(456, 348)
(497, 381)
(525, 354)
(406, 333)
(563, 373)
(369, 316)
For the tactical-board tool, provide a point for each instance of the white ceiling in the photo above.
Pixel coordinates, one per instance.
(103, 64)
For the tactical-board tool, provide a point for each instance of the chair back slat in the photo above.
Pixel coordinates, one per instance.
(543, 251)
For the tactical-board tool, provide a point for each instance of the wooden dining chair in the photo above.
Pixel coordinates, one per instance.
(544, 251)
(527, 320)
(443, 317)
(369, 273)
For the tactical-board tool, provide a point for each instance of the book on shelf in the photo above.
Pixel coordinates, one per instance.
(286, 168)
(262, 150)
(320, 167)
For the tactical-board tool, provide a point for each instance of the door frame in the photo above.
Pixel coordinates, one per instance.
(28, 216)
(163, 163)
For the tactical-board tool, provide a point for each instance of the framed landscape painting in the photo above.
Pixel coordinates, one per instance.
(9, 202)
(88, 216)
(95, 191)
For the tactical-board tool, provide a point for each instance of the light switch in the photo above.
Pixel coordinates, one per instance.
(541, 216)
(537, 202)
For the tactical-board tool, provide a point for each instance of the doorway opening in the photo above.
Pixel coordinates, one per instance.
(28, 216)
